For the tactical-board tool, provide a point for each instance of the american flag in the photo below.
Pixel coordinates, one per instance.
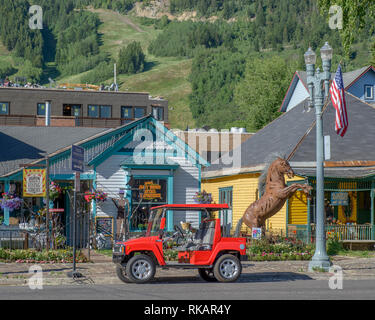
(338, 100)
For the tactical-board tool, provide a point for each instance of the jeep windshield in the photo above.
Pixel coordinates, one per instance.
(154, 222)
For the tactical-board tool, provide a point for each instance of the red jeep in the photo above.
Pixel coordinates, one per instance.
(216, 257)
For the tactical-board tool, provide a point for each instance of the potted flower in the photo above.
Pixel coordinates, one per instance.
(10, 201)
(203, 197)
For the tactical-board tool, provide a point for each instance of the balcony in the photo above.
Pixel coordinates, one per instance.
(62, 121)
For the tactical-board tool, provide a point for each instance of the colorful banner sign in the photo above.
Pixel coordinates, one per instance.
(34, 183)
(339, 198)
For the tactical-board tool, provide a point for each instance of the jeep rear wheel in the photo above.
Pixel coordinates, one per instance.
(140, 269)
(227, 268)
(121, 273)
(207, 275)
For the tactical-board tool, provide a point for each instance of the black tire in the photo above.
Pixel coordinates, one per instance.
(227, 268)
(140, 269)
(207, 274)
(121, 273)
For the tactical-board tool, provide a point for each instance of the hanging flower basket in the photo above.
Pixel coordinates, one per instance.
(97, 195)
(10, 201)
(203, 197)
(54, 191)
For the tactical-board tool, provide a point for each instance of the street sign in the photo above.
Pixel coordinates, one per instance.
(77, 158)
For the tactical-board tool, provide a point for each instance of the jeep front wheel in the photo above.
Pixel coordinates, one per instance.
(227, 268)
(140, 269)
(121, 273)
(207, 274)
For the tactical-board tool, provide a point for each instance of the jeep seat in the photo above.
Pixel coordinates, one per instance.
(203, 238)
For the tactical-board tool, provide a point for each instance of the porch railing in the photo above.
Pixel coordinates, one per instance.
(362, 232)
(350, 232)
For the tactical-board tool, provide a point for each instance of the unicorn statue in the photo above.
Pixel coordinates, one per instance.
(274, 192)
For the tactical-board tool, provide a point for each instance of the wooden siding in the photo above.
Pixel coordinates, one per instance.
(300, 93)
(110, 177)
(297, 208)
(245, 188)
(185, 185)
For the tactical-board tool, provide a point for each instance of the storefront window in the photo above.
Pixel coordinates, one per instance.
(151, 193)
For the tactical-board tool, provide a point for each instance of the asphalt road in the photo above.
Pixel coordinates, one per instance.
(189, 288)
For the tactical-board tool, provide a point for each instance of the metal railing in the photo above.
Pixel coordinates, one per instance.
(13, 238)
(350, 232)
(360, 232)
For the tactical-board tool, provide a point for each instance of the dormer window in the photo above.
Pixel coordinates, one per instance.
(369, 92)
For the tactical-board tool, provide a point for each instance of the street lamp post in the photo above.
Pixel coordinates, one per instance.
(315, 81)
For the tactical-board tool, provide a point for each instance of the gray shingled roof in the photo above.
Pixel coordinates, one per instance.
(358, 142)
(280, 136)
(25, 144)
(285, 133)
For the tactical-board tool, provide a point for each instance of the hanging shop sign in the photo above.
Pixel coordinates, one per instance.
(151, 190)
(339, 198)
(34, 182)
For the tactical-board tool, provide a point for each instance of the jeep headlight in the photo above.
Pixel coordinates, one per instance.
(118, 248)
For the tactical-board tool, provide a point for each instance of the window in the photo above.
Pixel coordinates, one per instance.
(93, 111)
(369, 92)
(72, 110)
(139, 112)
(41, 109)
(105, 112)
(4, 107)
(126, 112)
(158, 113)
(96, 111)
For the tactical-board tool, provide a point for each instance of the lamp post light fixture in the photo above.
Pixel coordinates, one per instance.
(315, 81)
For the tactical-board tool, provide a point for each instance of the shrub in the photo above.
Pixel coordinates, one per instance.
(333, 247)
(32, 256)
(131, 59)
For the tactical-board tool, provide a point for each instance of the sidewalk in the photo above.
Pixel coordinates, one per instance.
(103, 271)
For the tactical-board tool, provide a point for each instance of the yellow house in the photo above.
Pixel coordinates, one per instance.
(349, 173)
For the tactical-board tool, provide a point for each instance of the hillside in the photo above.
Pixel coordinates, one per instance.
(198, 53)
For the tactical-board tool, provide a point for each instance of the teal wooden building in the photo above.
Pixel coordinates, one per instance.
(143, 152)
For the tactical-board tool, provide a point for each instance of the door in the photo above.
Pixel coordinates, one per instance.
(226, 196)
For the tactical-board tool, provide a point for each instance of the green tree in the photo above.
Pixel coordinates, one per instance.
(131, 59)
(261, 91)
(354, 17)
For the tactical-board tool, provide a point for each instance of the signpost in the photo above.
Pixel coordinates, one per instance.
(77, 166)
